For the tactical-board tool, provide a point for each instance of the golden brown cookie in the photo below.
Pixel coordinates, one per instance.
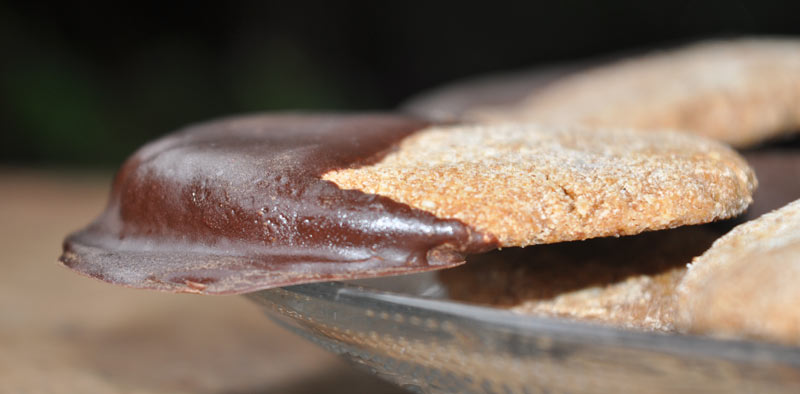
(746, 284)
(528, 184)
(741, 92)
(453, 101)
(628, 282)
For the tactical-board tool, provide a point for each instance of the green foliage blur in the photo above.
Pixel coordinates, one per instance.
(64, 104)
(85, 84)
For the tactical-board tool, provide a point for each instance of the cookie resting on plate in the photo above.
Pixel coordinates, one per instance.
(248, 203)
(746, 284)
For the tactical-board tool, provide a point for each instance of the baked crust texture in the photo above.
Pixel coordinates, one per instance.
(740, 91)
(745, 285)
(531, 184)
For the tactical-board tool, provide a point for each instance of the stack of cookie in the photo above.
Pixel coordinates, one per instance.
(248, 203)
(743, 92)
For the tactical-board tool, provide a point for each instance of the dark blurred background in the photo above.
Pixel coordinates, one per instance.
(83, 84)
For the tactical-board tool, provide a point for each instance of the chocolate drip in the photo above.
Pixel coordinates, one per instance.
(237, 205)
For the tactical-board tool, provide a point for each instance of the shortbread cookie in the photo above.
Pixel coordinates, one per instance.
(627, 282)
(746, 284)
(453, 102)
(249, 203)
(741, 92)
(528, 184)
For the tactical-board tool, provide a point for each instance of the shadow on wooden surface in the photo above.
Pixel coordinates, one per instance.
(63, 333)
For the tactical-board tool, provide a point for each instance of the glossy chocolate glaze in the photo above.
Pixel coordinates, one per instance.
(237, 205)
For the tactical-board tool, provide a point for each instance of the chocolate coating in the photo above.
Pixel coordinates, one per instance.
(237, 205)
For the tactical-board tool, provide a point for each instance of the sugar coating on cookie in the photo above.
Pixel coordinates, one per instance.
(746, 284)
(530, 184)
(737, 91)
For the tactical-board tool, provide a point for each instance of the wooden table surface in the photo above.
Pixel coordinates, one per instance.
(63, 333)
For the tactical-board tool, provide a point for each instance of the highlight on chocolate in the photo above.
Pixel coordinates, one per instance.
(253, 202)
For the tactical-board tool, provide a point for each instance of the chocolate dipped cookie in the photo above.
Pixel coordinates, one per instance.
(247, 203)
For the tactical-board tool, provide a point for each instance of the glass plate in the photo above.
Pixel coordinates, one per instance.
(404, 329)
